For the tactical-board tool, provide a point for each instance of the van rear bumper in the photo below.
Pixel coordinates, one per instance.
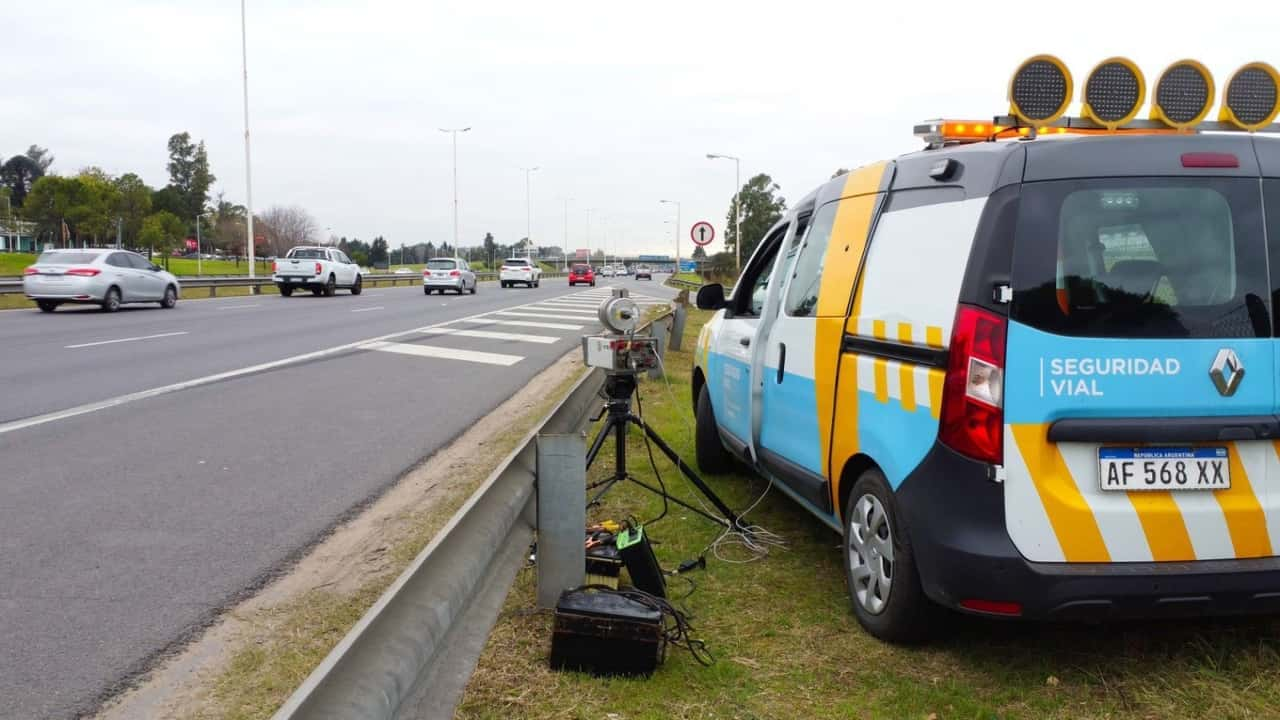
(955, 516)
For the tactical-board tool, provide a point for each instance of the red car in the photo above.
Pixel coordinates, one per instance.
(582, 274)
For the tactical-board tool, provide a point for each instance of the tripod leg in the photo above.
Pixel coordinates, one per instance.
(710, 494)
(599, 442)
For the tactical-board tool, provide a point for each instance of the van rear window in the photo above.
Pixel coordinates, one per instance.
(1151, 258)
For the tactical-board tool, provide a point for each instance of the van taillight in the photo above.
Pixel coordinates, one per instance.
(972, 417)
(317, 268)
(274, 266)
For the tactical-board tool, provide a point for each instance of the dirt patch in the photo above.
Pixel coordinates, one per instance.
(353, 563)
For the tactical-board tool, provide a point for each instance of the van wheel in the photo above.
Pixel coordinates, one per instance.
(330, 287)
(880, 569)
(285, 290)
(708, 450)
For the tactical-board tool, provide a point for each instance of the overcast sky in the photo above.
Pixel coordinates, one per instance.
(618, 103)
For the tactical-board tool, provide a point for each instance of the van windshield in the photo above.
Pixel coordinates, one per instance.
(1151, 258)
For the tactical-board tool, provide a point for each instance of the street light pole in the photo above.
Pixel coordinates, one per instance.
(454, 132)
(528, 210)
(564, 255)
(248, 174)
(590, 259)
(677, 204)
(737, 209)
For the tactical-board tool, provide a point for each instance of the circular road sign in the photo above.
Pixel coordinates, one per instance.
(702, 233)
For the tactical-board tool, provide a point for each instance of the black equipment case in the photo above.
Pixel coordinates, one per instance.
(603, 633)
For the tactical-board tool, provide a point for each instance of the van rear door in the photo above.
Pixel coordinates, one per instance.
(1140, 391)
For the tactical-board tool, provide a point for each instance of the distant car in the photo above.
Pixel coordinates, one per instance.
(582, 273)
(519, 270)
(322, 270)
(643, 271)
(448, 274)
(105, 277)
(624, 270)
(402, 271)
(608, 271)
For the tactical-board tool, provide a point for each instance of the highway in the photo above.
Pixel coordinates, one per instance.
(160, 465)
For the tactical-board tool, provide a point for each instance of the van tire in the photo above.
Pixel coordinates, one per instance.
(330, 287)
(285, 290)
(708, 450)
(907, 615)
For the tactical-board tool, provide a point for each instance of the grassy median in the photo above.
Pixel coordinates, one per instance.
(787, 645)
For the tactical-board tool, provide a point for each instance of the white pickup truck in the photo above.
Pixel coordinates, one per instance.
(322, 270)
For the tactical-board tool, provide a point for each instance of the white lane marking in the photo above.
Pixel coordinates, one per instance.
(523, 323)
(433, 351)
(375, 307)
(238, 307)
(570, 304)
(488, 335)
(37, 420)
(122, 340)
(543, 315)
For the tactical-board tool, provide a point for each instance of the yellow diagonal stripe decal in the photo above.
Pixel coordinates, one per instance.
(1163, 525)
(1071, 517)
(1246, 521)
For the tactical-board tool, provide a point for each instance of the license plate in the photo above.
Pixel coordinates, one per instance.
(1163, 468)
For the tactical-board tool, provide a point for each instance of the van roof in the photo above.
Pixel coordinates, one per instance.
(983, 167)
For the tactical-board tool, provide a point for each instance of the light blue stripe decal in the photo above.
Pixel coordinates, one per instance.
(1051, 376)
(729, 387)
(789, 423)
(895, 439)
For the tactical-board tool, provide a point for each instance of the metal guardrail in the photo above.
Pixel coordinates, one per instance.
(413, 652)
(14, 286)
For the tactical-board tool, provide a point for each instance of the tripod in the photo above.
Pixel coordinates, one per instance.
(618, 388)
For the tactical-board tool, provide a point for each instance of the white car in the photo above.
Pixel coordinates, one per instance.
(322, 270)
(607, 271)
(521, 271)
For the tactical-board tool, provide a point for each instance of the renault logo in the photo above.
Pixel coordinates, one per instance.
(1226, 372)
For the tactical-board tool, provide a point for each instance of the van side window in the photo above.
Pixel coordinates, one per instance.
(757, 276)
(1271, 196)
(1158, 257)
(806, 276)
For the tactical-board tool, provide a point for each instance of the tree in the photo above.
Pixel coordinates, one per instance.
(168, 199)
(699, 253)
(761, 208)
(286, 227)
(97, 205)
(490, 247)
(189, 175)
(19, 173)
(134, 204)
(162, 231)
(51, 201)
(378, 251)
(41, 157)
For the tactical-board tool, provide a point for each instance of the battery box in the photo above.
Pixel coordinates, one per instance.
(603, 633)
(642, 564)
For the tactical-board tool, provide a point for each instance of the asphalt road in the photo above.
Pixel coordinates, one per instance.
(128, 520)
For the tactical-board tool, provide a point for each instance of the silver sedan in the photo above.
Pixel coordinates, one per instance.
(448, 274)
(105, 277)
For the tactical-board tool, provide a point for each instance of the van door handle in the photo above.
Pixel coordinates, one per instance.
(744, 341)
(782, 360)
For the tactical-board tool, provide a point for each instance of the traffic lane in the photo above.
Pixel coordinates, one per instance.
(125, 530)
(40, 374)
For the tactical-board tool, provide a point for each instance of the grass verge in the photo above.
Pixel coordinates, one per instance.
(286, 642)
(787, 645)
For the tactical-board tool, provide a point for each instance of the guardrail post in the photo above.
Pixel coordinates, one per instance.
(213, 291)
(660, 329)
(677, 326)
(562, 515)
